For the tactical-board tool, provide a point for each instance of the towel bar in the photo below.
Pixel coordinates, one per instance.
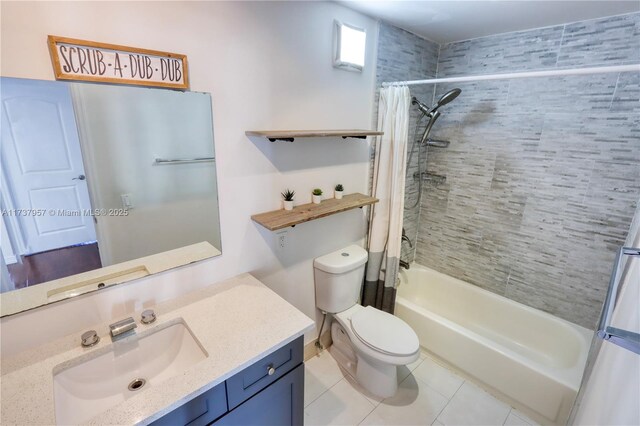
(162, 161)
(627, 339)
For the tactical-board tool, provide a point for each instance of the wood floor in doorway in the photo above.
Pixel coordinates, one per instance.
(50, 265)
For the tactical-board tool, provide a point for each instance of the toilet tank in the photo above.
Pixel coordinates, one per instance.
(338, 278)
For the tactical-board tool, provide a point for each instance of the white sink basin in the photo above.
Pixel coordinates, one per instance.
(90, 387)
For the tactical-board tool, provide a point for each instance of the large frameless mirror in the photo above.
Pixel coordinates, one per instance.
(100, 185)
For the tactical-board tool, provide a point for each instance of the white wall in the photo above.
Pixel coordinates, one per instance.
(268, 66)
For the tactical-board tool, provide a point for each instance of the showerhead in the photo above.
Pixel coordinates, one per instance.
(444, 99)
(433, 112)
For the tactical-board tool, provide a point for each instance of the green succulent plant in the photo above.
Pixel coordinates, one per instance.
(339, 187)
(288, 195)
(317, 191)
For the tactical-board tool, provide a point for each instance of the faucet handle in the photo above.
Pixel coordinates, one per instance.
(90, 338)
(148, 316)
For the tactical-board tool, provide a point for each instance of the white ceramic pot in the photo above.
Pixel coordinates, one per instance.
(339, 195)
(316, 199)
(288, 205)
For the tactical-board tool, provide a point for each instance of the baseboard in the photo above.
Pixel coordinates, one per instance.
(310, 349)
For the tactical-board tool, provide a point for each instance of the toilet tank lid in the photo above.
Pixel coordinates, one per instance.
(343, 260)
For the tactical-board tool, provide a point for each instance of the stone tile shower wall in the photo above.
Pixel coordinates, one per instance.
(543, 175)
(405, 56)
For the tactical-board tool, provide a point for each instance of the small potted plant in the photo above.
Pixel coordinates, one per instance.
(287, 199)
(317, 195)
(339, 190)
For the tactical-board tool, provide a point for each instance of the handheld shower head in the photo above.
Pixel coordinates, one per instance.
(433, 116)
(446, 98)
(433, 112)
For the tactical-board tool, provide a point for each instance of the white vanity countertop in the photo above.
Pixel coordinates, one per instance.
(237, 321)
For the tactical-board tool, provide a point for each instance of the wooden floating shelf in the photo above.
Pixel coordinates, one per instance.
(290, 135)
(279, 219)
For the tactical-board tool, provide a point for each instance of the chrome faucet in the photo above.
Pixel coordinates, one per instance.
(122, 328)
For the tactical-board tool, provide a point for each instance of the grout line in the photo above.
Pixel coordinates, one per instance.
(365, 417)
(436, 390)
(327, 389)
(417, 365)
(495, 394)
(316, 398)
(457, 390)
(438, 60)
(564, 28)
(449, 399)
(507, 417)
(525, 421)
(369, 413)
(515, 414)
(615, 89)
(508, 414)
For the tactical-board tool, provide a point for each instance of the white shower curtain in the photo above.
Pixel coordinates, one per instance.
(385, 223)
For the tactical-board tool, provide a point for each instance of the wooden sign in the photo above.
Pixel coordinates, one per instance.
(110, 63)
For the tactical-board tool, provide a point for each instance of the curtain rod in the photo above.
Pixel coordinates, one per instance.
(526, 74)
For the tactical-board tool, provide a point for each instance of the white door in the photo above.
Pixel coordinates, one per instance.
(42, 163)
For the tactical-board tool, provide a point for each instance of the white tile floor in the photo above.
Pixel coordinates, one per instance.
(428, 394)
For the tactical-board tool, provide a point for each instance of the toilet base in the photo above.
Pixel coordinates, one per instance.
(342, 351)
(380, 379)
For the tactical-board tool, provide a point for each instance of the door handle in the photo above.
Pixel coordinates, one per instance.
(81, 177)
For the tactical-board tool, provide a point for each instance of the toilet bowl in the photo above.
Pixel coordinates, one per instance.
(368, 343)
(380, 342)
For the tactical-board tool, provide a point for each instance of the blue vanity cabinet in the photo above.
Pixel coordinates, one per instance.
(268, 392)
(282, 403)
(263, 373)
(200, 411)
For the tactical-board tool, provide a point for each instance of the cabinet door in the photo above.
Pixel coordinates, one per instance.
(282, 403)
(201, 410)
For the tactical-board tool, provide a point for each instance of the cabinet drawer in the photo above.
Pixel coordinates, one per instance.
(255, 378)
(201, 410)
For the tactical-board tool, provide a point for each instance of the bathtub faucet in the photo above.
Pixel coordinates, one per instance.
(404, 264)
(405, 238)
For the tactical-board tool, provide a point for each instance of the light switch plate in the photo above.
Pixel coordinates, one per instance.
(127, 202)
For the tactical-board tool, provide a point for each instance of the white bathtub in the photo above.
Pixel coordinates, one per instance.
(531, 357)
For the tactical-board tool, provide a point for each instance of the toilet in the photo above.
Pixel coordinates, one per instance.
(368, 343)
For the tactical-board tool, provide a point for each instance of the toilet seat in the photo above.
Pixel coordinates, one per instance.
(384, 332)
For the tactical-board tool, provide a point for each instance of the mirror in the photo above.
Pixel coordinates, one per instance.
(100, 185)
